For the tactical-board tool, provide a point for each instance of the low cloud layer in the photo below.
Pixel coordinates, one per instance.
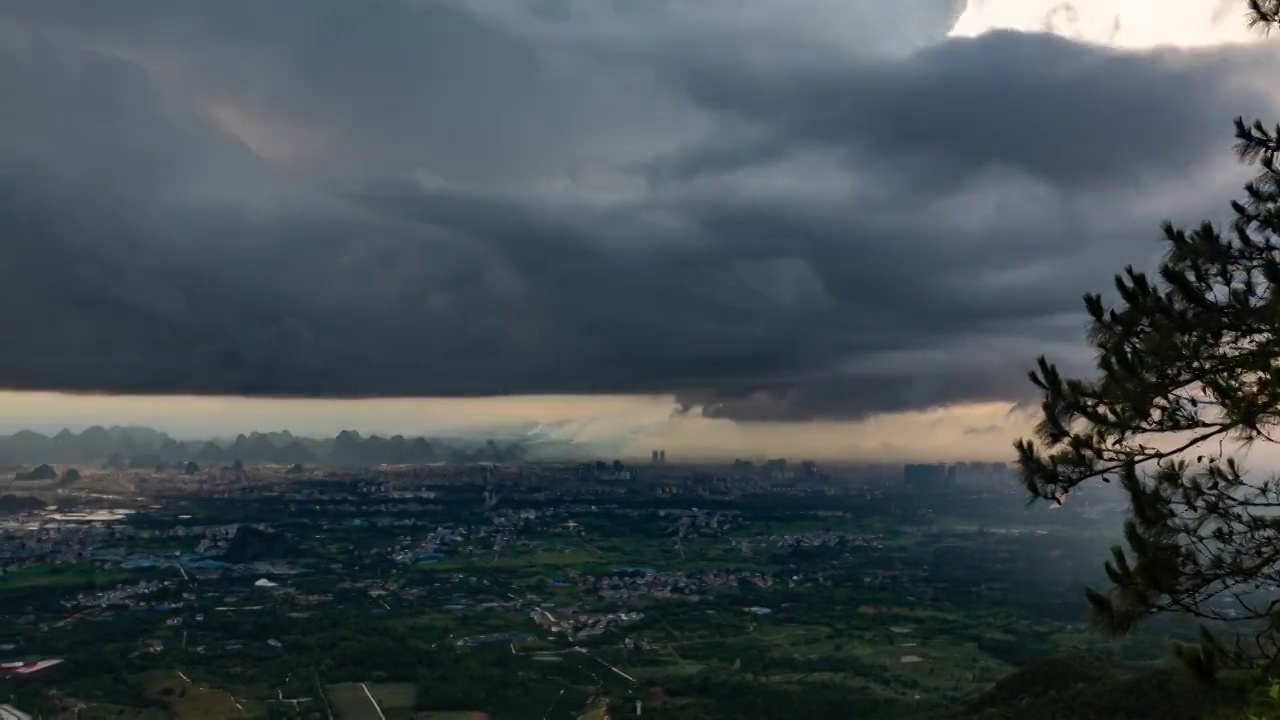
(814, 210)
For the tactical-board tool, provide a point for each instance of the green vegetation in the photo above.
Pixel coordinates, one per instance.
(188, 701)
(82, 575)
(764, 606)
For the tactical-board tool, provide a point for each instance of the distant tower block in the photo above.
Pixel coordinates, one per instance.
(662, 456)
(654, 460)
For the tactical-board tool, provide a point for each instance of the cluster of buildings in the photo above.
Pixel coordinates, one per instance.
(48, 536)
(816, 539)
(645, 583)
(936, 476)
(779, 469)
(121, 596)
(583, 625)
(602, 471)
(701, 522)
(430, 548)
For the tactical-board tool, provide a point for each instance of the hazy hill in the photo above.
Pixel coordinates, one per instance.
(250, 544)
(41, 472)
(14, 504)
(146, 448)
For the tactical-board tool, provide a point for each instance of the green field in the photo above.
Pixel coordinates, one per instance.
(350, 702)
(193, 701)
(61, 576)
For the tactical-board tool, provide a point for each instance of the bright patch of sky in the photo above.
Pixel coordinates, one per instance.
(1127, 24)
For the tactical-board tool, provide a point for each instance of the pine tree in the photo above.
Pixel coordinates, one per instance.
(1188, 370)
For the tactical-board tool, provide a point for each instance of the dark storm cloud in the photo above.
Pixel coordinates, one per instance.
(1073, 115)
(399, 198)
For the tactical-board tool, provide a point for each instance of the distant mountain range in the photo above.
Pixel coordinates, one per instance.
(143, 447)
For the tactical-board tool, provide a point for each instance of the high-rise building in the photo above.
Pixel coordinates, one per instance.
(924, 476)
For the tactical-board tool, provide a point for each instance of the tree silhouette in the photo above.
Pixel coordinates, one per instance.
(1188, 371)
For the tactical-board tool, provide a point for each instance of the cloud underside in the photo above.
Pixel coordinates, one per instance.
(441, 199)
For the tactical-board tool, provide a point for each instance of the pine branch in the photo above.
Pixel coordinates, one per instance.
(1188, 358)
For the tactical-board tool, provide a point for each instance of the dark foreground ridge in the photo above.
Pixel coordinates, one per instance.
(1076, 687)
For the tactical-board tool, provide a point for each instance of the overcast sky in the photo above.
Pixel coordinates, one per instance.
(818, 225)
